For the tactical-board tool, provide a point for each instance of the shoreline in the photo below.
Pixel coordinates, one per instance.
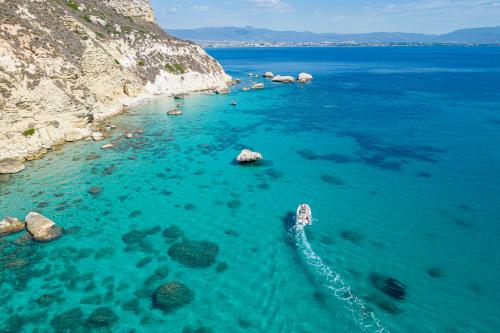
(72, 132)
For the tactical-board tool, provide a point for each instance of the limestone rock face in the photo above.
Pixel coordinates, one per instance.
(305, 77)
(64, 68)
(248, 156)
(133, 8)
(283, 79)
(10, 225)
(41, 228)
(11, 165)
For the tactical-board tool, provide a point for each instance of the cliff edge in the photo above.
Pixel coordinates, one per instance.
(66, 64)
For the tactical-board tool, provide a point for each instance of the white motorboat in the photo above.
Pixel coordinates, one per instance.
(304, 215)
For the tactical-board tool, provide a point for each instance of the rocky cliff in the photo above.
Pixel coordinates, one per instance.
(66, 64)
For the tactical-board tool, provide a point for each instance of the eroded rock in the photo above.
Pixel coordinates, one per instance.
(10, 225)
(11, 165)
(41, 228)
(248, 156)
(284, 79)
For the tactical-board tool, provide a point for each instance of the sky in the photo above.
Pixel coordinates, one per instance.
(346, 16)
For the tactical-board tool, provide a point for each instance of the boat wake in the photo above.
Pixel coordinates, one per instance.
(333, 281)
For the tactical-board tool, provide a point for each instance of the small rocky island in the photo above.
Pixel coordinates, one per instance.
(248, 156)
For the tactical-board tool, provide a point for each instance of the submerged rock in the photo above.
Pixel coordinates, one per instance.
(389, 286)
(248, 156)
(194, 254)
(305, 77)
(172, 233)
(41, 228)
(95, 190)
(11, 165)
(107, 146)
(283, 79)
(67, 321)
(102, 317)
(10, 225)
(172, 296)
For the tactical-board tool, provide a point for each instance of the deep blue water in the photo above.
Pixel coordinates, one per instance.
(395, 149)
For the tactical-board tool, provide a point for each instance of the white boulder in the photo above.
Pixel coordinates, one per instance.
(268, 74)
(305, 77)
(248, 156)
(283, 79)
(107, 146)
(258, 86)
(41, 228)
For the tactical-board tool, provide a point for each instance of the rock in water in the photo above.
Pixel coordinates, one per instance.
(171, 296)
(268, 74)
(102, 317)
(304, 77)
(10, 225)
(174, 112)
(389, 286)
(222, 91)
(41, 228)
(258, 86)
(107, 146)
(11, 165)
(194, 254)
(248, 156)
(284, 79)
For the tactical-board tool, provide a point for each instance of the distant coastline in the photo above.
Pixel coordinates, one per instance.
(218, 37)
(233, 44)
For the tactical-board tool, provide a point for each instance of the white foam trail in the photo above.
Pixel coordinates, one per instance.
(333, 281)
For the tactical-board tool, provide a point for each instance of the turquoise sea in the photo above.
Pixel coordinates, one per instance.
(395, 149)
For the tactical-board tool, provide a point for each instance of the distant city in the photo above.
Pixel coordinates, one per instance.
(228, 44)
(219, 37)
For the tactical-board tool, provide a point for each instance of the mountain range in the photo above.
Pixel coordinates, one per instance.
(490, 35)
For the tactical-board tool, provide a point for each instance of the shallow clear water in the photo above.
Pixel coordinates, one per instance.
(395, 149)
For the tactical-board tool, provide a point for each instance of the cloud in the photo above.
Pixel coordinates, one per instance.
(199, 8)
(173, 9)
(275, 5)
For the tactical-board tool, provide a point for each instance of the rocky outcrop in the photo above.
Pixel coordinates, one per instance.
(172, 296)
(41, 228)
(305, 77)
(66, 65)
(10, 225)
(248, 156)
(258, 86)
(268, 75)
(283, 79)
(11, 165)
(174, 112)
